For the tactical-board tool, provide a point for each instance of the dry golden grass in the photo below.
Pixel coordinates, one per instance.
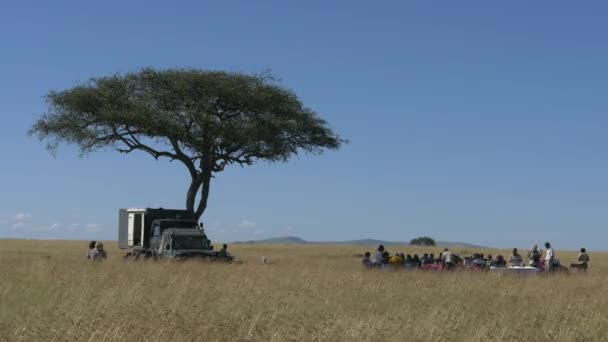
(48, 292)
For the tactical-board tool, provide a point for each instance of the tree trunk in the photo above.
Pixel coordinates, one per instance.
(195, 184)
(199, 180)
(202, 204)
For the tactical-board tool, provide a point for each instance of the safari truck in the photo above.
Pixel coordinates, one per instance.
(164, 234)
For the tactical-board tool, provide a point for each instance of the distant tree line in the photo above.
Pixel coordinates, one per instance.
(423, 241)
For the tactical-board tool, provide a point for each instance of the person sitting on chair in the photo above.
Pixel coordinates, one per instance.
(534, 257)
(490, 261)
(366, 261)
(515, 259)
(395, 259)
(386, 256)
(379, 255)
(478, 261)
(91, 247)
(224, 251)
(425, 259)
(98, 253)
(500, 261)
(416, 260)
(583, 260)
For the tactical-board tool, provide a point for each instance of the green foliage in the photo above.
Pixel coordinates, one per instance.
(227, 117)
(422, 241)
(204, 119)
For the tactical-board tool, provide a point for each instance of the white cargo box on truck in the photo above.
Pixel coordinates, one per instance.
(131, 227)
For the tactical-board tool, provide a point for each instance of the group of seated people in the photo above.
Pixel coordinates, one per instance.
(447, 260)
(382, 258)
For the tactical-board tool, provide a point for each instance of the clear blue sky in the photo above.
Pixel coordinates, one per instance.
(474, 121)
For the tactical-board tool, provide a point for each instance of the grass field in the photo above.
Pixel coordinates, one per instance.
(48, 292)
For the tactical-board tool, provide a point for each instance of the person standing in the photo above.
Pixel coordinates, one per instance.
(448, 259)
(549, 258)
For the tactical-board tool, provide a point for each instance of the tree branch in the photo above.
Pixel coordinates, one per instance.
(188, 161)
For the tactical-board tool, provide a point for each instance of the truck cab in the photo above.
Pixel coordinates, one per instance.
(176, 226)
(175, 243)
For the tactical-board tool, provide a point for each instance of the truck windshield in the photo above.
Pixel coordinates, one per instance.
(178, 224)
(188, 242)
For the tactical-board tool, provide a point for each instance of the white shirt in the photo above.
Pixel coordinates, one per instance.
(447, 256)
(378, 257)
(550, 254)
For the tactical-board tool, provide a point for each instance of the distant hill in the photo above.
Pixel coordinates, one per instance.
(459, 244)
(294, 240)
(288, 240)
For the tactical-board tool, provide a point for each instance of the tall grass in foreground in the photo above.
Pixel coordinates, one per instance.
(48, 292)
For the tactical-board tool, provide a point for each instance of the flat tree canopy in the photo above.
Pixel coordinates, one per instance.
(206, 120)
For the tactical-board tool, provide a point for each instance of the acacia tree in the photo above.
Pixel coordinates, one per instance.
(206, 120)
(423, 241)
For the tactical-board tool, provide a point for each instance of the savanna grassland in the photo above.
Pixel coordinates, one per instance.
(49, 292)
